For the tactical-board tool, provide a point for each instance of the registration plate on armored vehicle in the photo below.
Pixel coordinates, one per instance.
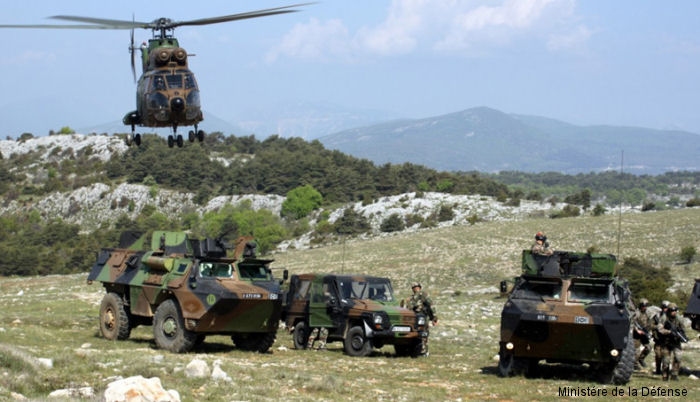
(582, 320)
(401, 329)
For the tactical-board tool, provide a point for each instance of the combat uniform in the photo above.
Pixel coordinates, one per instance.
(657, 338)
(641, 342)
(317, 339)
(542, 249)
(670, 345)
(420, 302)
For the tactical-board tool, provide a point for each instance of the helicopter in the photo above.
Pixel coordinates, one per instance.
(167, 94)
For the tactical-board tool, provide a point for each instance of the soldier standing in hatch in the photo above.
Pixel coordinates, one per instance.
(670, 343)
(420, 302)
(657, 336)
(541, 246)
(643, 324)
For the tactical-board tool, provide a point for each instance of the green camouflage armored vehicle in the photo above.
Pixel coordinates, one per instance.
(568, 308)
(692, 311)
(187, 289)
(358, 310)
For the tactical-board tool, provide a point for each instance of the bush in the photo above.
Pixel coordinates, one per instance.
(567, 212)
(393, 223)
(446, 213)
(599, 210)
(645, 280)
(301, 201)
(687, 254)
(693, 202)
(648, 206)
(413, 219)
(351, 223)
(513, 202)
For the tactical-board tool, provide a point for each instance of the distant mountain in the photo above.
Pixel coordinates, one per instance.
(308, 120)
(489, 140)
(211, 123)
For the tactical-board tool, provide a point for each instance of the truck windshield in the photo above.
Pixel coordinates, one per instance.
(373, 289)
(215, 269)
(589, 292)
(255, 272)
(534, 289)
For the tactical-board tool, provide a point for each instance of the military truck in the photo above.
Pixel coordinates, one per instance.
(358, 310)
(568, 308)
(187, 289)
(692, 311)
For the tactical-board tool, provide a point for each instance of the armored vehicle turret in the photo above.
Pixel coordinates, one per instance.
(568, 308)
(358, 310)
(187, 289)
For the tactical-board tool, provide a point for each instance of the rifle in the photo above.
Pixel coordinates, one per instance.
(677, 333)
(645, 333)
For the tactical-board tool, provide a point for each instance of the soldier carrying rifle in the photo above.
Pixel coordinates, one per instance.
(642, 326)
(672, 334)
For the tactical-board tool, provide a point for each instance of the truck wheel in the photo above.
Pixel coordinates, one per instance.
(509, 365)
(301, 336)
(254, 341)
(620, 372)
(356, 344)
(114, 320)
(169, 329)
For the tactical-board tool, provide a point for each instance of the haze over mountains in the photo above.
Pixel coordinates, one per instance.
(489, 140)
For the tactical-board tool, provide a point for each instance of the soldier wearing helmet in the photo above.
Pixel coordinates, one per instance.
(420, 302)
(657, 336)
(643, 324)
(669, 329)
(541, 246)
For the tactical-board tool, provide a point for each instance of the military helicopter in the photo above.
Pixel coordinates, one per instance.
(167, 94)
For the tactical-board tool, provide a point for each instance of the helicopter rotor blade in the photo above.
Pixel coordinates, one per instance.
(132, 50)
(48, 26)
(114, 24)
(240, 16)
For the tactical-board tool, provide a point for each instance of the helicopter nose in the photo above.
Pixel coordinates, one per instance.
(177, 104)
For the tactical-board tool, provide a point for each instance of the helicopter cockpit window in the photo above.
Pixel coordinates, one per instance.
(190, 82)
(174, 81)
(158, 83)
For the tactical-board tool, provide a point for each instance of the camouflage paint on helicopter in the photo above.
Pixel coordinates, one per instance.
(358, 310)
(187, 289)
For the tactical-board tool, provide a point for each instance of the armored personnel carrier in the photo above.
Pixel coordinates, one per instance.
(568, 308)
(358, 310)
(693, 309)
(187, 289)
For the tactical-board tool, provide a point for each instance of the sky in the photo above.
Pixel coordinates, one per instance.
(624, 62)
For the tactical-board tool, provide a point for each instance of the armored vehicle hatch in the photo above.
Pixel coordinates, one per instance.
(187, 289)
(568, 308)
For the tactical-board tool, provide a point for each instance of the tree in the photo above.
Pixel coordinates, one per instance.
(392, 223)
(351, 223)
(687, 254)
(599, 210)
(301, 201)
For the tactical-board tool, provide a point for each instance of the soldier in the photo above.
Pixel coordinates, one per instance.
(643, 324)
(319, 335)
(669, 328)
(541, 246)
(657, 336)
(420, 302)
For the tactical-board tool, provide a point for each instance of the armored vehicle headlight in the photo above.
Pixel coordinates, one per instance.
(614, 353)
(273, 296)
(509, 345)
(378, 319)
(421, 320)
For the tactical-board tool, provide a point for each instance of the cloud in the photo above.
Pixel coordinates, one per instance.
(443, 26)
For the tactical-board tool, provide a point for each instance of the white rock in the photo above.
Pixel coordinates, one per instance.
(220, 375)
(139, 389)
(17, 397)
(496, 358)
(693, 377)
(48, 363)
(86, 345)
(197, 369)
(158, 359)
(20, 293)
(282, 348)
(84, 392)
(17, 321)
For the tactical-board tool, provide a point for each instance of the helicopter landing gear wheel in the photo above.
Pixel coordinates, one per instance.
(179, 141)
(171, 141)
(137, 139)
(190, 136)
(200, 135)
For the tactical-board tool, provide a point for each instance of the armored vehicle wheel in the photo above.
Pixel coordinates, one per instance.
(356, 344)
(114, 320)
(169, 329)
(255, 341)
(621, 372)
(301, 335)
(509, 365)
(413, 349)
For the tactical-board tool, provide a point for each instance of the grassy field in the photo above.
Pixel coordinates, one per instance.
(56, 317)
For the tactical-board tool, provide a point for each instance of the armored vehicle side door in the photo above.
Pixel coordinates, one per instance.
(323, 297)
